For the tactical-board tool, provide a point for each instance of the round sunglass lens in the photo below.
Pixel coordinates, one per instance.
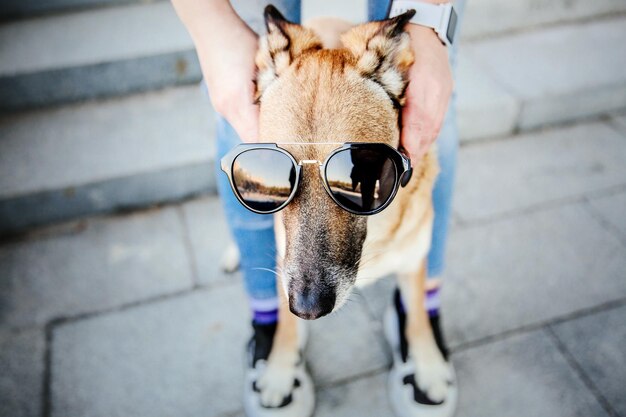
(264, 178)
(360, 179)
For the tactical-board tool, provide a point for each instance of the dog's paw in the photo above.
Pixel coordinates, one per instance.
(276, 383)
(230, 259)
(432, 373)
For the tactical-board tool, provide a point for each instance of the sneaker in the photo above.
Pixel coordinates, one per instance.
(407, 400)
(299, 402)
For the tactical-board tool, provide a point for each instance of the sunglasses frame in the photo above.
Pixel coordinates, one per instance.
(400, 160)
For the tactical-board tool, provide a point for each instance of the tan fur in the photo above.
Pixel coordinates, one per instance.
(398, 238)
(276, 50)
(380, 56)
(329, 30)
(432, 372)
(347, 94)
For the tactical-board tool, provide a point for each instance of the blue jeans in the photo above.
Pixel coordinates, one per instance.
(254, 233)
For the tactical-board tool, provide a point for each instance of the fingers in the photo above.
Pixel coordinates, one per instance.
(246, 123)
(237, 107)
(427, 99)
(428, 93)
(420, 128)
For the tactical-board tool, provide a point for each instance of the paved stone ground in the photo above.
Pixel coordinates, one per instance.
(130, 315)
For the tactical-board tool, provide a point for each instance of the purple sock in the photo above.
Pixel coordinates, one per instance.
(264, 311)
(432, 302)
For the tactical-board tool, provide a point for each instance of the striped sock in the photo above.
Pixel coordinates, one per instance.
(432, 302)
(264, 311)
(432, 305)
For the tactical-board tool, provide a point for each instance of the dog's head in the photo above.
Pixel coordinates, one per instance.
(311, 94)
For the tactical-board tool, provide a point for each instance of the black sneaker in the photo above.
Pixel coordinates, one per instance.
(406, 397)
(280, 395)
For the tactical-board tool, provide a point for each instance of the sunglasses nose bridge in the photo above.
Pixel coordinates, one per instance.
(309, 162)
(312, 162)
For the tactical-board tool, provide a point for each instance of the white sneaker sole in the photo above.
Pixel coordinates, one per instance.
(401, 395)
(303, 397)
(302, 403)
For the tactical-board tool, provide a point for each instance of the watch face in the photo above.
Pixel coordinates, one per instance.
(451, 26)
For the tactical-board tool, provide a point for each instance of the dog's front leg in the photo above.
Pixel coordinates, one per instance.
(278, 380)
(432, 373)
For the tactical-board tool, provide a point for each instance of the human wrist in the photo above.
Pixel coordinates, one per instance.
(423, 35)
(223, 43)
(434, 1)
(440, 17)
(207, 21)
(214, 23)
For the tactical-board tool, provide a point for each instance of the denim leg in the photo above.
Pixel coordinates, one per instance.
(447, 145)
(251, 11)
(377, 9)
(253, 233)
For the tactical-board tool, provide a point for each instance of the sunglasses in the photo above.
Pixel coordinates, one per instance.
(361, 178)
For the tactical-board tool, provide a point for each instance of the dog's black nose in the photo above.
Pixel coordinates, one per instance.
(311, 304)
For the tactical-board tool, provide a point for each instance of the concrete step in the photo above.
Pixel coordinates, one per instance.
(154, 147)
(96, 157)
(97, 53)
(495, 17)
(484, 17)
(488, 17)
(542, 77)
(138, 47)
(25, 8)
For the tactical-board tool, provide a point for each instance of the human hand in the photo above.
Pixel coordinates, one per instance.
(226, 48)
(428, 93)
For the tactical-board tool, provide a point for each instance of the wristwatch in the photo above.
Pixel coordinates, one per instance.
(440, 17)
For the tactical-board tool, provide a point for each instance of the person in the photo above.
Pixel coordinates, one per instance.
(226, 36)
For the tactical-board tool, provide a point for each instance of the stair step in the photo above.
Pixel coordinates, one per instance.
(25, 8)
(488, 17)
(492, 17)
(558, 74)
(138, 47)
(153, 147)
(97, 53)
(484, 17)
(95, 157)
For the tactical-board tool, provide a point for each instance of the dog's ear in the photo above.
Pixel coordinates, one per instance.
(284, 42)
(383, 53)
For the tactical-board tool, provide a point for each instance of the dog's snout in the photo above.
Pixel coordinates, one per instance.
(311, 304)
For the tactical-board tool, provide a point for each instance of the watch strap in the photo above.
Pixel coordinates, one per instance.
(440, 17)
(427, 14)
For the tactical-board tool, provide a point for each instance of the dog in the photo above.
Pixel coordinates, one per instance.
(316, 86)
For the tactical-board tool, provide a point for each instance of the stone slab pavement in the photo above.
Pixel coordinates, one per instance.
(130, 315)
